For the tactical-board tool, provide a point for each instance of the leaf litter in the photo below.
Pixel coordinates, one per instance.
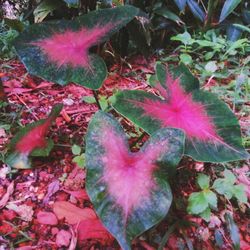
(48, 208)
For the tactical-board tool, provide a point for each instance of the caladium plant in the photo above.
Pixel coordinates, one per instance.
(130, 191)
(31, 141)
(212, 131)
(59, 51)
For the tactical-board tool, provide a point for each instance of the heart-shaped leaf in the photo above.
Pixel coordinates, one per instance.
(31, 141)
(59, 51)
(212, 130)
(130, 191)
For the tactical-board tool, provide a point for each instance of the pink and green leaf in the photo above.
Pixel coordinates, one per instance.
(212, 131)
(59, 51)
(126, 188)
(31, 141)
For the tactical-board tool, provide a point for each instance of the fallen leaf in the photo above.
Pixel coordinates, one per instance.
(2, 133)
(243, 178)
(93, 229)
(47, 218)
(72, 213)
(63, 238)
(52, 188)
(24, 211)
(80, 194)
(214, 222)
(73, 241)
(3, 172)
(7, 195)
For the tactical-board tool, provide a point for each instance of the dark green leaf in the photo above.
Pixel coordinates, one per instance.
(30, 141)
(89, 71)
(181, 4)
(239, 192)
(139, 32)
(206, 214)
(203, 181)
(186, 58)
(14, 24)
(130, 191)
(185, 38)
(233, 230)
(242, 27)
(147, 111)
(165, 12)
(76, 150)
(233, 33)
(211, 198)
(45, 8)
(196, 10)
(228, 8)
(197, 203)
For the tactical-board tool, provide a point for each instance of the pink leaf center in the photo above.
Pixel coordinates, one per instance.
(129, 176)
(178, 110)
(35, 138)
(71, 47)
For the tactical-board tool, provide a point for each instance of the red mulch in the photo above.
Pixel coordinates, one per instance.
(27, 219)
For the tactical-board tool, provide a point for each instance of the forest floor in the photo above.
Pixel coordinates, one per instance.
(47, 207)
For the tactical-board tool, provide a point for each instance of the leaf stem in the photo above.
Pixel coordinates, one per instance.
(166, 236)
(95, 94)
(138, 139)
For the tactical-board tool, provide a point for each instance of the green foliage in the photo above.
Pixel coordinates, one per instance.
(226, 186)
(233, 230)
(7, 36)
(93, 72)
(104, 103)
(79, 157)
(201, 203)
(45, 8)
(31, 141)
(109, 168)
(208, 53)
(211, 46)
(228, 8)
(131, 103)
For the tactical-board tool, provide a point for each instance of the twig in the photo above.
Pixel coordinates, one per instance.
(22, 101)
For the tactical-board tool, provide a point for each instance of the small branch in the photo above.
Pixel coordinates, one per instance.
(95, 93)
(28, 108)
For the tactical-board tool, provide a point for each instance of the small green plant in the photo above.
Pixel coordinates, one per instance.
(79, 157)
(7, 36)
(209, 46)
(201, 203)
(227, 186)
